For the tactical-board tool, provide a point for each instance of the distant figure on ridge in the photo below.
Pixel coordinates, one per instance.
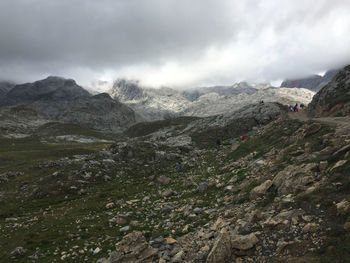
(243, 137)
(179, 166)
(218, 143)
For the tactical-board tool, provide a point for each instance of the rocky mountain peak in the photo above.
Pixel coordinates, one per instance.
(313, 82)
(333, 99)
(126, 90)
(5, 87)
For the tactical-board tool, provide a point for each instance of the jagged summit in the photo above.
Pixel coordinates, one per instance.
(314, 82)
(334, 98)
(5, 87)
(126, 90)
(64, 100)
(41, 94)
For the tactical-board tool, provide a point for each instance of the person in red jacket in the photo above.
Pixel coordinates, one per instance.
(243, 137)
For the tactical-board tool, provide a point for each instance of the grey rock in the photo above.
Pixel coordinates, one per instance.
(261, 189)
(203, 186)
(163, 180)
(125, 229)
(314, 83)
(333, 99)
(133, 248)
(222, 249)
(167, 209)
(18, 251)
(244, 242)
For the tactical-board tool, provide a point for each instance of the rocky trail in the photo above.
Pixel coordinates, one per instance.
(342, 123)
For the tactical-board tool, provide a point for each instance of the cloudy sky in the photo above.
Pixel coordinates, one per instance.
(176, 43)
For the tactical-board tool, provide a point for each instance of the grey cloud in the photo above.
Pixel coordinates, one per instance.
(84, 38)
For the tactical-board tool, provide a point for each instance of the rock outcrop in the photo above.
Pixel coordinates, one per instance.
(314, 82)
(5, 87)
(51, 96)
(133, 248)
(334, 98)
(100, 112)
(20, 121)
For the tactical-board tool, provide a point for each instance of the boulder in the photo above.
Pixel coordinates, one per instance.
(203, 186)
(261, 189)
(294, 179)
(343, 207)
(18, 251)
(163, 180)
(339, 164)
(222, 250)
(244, 242)
(310, 228)
(133, 248)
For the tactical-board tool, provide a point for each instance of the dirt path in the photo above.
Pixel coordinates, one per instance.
(342, 123)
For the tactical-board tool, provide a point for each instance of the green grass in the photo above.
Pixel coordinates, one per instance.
(51, 215)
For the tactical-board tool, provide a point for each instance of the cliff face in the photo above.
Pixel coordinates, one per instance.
(334, 98)
(313, 83)
(50, 96)
(100, 112)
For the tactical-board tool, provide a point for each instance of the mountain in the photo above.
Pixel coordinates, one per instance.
(334, 98)
(170, 195)
(5, 87)
(314, 82)
(50, 96)
(163, 103)
(150, 104)
(102, 113)
(212, 103)
(238, 88)
(63, 100)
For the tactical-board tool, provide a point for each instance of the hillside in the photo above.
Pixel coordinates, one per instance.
(281, 194)
(334, 98)
(164, 103)
(163, 191)
(102, 113)
(313, 83)
(62, 100)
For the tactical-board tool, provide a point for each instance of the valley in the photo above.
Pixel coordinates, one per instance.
(69, 193)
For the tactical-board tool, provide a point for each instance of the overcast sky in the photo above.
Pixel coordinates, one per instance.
(176, 43)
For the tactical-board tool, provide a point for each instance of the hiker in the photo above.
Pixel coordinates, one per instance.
(218, 143)
(296, 108)
(302, 106)
(261, 102)
(243, 137)
(179, 166)
(291, 108)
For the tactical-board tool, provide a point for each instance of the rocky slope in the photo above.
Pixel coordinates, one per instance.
(281, 195)
(65, 101)
(151, 104)
(213, 103)
(238, 88)
(102, 113)
(20, 121)
(163, 103)
(333, 99)
(50, 96)
(313, 83)
(4, 88)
